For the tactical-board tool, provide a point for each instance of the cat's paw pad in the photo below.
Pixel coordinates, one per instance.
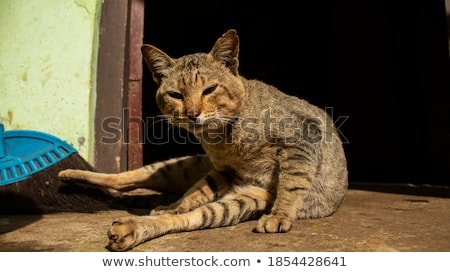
(122, 234)
(273, 223)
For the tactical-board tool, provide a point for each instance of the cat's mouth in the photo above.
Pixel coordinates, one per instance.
(201, 125)
(207, 125)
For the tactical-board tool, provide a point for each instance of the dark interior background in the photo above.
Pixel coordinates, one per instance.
(382, 67)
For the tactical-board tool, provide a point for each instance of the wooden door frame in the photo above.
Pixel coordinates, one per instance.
(135, 121)
(118, 115)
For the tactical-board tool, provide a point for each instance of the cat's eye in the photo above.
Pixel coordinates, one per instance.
(209, 89)
(175, 95)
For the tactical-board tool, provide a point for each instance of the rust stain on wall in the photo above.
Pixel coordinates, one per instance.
(24, 76)
(10, 117)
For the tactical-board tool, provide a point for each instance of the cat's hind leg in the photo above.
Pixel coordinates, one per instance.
(171, 176)
(209, 188)
(242, 204)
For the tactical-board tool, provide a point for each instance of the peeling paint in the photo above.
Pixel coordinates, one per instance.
(81, 142)
(88, 5)
(117, 159)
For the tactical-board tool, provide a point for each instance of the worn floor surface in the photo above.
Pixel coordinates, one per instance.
(372, 218)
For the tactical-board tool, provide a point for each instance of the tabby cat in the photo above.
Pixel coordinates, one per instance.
(269, 156)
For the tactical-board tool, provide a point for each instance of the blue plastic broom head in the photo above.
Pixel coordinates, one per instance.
(26, 152)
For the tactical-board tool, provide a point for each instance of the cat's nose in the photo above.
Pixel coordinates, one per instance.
(193, 114)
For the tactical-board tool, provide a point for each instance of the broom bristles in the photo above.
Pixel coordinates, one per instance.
(43, 192)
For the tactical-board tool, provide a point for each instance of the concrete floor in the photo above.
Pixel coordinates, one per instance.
(372, 218)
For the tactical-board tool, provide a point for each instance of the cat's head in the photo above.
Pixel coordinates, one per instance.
(200, 91)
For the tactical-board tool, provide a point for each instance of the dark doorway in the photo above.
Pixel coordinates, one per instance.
(381, 69)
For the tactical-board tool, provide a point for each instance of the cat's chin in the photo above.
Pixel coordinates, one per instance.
(199, 130)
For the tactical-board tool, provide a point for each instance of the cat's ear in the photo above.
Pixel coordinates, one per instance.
(157, 61)
(226, 50)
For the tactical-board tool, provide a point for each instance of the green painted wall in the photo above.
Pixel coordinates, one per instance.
(48, 58)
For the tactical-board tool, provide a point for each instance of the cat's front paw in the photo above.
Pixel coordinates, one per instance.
(122, 234)
(273, 223)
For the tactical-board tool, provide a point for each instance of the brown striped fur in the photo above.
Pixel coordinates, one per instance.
(269, 156)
